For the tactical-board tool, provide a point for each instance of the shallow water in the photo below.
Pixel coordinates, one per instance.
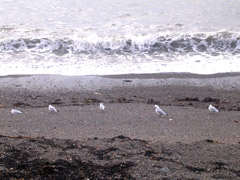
(120, 37)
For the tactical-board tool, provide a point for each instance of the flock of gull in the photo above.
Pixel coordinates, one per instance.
(158, 110)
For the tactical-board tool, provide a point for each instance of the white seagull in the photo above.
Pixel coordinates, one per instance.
(52, 108)
(212, 108)
(14, 111)
(159, 111)
(101, 106)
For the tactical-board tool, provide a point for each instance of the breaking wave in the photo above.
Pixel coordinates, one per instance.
(210, 43)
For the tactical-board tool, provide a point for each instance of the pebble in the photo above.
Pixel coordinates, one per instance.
(165, 170)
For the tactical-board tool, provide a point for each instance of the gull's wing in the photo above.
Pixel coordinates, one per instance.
(14, 111)
(160, 111)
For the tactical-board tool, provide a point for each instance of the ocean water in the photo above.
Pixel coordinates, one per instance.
(89, 37)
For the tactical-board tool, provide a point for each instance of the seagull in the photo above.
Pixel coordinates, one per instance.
(212, 108)
(14, 111)
(101, 106)
(52, 108)
(159, 111)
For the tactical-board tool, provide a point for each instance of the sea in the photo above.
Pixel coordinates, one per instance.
(103, 37)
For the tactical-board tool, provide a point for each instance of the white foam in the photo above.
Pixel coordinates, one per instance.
(75, 65)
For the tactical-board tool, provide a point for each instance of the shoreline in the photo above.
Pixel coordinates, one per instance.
(137, 75)
(226, 81)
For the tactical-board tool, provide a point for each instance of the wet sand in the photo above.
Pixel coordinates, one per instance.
(129, 101)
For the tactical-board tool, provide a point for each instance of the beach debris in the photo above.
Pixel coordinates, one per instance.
(236, 121)
(209, 99)
(74, 100)
(92, 100)
(151, 101)
(21, 104)
(15, 111)
(34, 97)
(189, 99)
(212, 108)
(214, 141)
(120, 137)
(57, 101)
(78, 104)
(127, 80)
(1, 106)
(97, 93)
(123, 100)
(159, 111)
(52, 108)
(101, 106)
(170, 119)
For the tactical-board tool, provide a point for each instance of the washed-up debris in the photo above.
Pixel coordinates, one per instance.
(209, 99)
(151, 101)
(118, 158)
(34, 97)
(74, 100)
(78, 104)
(127, 80)
(92, 100)
(189, 99)
(20, 104)
(57, 101)
(123, 100)
(213, 141)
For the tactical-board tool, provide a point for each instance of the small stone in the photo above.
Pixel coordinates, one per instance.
(165, 170)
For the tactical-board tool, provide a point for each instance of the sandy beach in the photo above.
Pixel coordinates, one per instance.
(191, 143)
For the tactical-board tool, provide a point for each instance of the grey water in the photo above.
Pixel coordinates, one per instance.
(119, 37)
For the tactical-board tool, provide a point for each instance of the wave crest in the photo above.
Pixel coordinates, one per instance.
(213, 44)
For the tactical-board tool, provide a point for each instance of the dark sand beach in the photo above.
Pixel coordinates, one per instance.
(126, 141)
